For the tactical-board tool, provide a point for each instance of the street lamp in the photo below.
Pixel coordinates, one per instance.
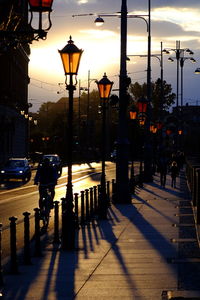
(197, 71)
(70, 56)
(23, 32)
(179, 52)
(40, 7)
(182, 60)
(122, 181)
(104, 87)
(158, 56)
(122, 188)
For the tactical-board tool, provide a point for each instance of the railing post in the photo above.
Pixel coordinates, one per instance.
(87, 210)
(27, 253)
(113, 189)
(76, 210)
(37, 233)
(108, 193)
(98, 197)
(91, 202)
(95, 199)
(82, 207)
(56, 239)
(13, 245)
(1, 268)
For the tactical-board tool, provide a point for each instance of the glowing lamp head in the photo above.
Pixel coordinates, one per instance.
(99, 21)
(40, 5)
(142, 120)
(142, 105)
(70, 56)
(104, 86)
(168, 131)
(197, 71)
(133, 115)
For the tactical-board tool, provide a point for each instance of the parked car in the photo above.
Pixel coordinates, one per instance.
(55, 161)
(16, 168)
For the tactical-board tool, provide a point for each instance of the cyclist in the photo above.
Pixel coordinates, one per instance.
(46, 176)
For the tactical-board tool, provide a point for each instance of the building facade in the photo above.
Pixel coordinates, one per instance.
(14, 60)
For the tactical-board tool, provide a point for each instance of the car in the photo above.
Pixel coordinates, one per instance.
(55, 161)
(16, 168)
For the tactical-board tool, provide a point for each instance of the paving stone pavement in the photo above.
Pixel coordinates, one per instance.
(143, 250)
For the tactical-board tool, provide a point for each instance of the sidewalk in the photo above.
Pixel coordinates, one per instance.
(143, 251)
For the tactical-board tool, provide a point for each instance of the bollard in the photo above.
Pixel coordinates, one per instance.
(113, 190)
(76, 210)
(68, 237)
(91, 202)
(1, 268)
(98, 196)
(82, 207)
(95, 199)
(108, 193)
(87, 211)
(56, 238)
(13, 246)
(27, 254)
(37, 233)
(63, 205)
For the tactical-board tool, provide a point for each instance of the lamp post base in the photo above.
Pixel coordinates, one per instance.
(68, 225)
(103, 200)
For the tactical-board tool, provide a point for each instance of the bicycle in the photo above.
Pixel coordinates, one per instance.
(45, 205)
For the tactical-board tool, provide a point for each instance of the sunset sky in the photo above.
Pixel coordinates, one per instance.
(171, 20)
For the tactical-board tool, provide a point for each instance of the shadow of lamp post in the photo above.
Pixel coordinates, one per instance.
(70, 56)
(104, 87)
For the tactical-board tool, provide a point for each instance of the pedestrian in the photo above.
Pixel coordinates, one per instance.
(163, 171)
(174, 173)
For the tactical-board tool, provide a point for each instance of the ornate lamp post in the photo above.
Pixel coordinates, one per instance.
(104, 86)
(40, 7)
(23, 31)
(122, 181)
(180, 58)
(70, 56)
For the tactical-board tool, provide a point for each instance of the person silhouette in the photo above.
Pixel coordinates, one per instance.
(174, 173)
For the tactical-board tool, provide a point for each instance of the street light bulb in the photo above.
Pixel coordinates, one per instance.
(166, 51)
(99, 21)
(193, 60)
(197, 71)
(170, 60)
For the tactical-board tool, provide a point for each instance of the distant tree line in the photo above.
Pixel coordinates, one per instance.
(50, 134)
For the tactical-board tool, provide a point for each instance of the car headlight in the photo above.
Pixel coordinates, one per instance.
(21, 172)
(2, 171)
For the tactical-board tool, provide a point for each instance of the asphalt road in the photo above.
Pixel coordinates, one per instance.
(17, 198)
